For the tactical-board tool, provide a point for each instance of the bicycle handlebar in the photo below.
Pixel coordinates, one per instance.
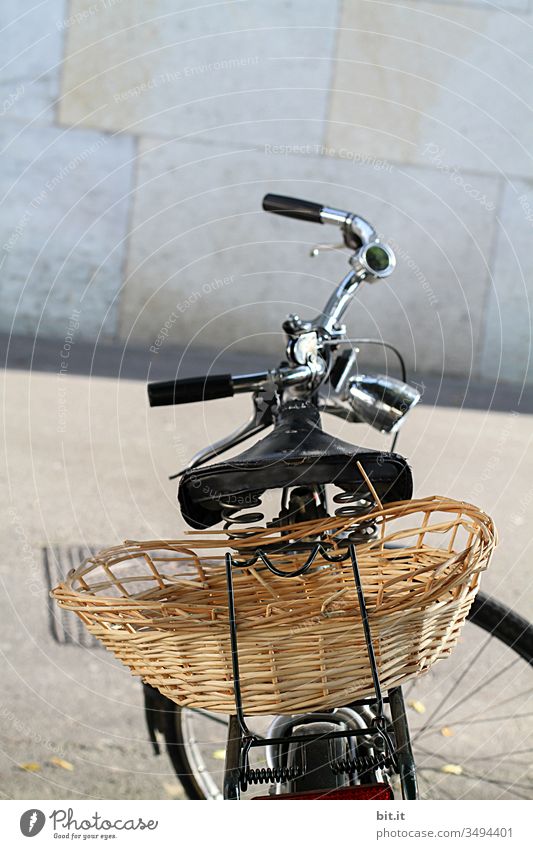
(190, 389)
(371, 260)
(305, 210)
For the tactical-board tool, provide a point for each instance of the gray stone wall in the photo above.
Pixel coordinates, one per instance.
(138, 139)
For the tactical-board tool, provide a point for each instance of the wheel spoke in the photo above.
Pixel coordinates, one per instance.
(504, 755)
(499, 783)
(472, 759)
(469, 695)
(455, 684)
(477, 721)
(213, 717)
(485, 780)
(421, 775)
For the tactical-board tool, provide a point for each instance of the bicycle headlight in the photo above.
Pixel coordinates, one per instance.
(381, 401)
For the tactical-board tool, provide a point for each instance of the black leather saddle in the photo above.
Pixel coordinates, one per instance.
(296, 453)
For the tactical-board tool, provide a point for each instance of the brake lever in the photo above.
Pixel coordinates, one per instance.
(265, 404)
(322, 247)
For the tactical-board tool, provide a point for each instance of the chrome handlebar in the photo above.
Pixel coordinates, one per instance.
(309, 345)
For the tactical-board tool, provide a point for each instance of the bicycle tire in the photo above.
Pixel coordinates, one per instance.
(511, 628)
(177, 752)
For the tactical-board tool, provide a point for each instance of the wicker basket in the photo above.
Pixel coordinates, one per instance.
(162, 608)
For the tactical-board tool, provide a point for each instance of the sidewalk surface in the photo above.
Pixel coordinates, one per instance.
(87, 463)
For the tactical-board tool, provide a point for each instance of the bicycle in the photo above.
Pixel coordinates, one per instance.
(366, 749)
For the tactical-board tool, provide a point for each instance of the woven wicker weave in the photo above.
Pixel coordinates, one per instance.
(162, 608)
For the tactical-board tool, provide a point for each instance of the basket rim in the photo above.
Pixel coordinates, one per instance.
(67, 594)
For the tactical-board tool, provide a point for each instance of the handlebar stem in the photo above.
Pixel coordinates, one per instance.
(338, 303)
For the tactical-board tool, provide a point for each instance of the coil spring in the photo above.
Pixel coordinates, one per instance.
(357, 503)
(230, 508)
(360, 764)
(268, 775)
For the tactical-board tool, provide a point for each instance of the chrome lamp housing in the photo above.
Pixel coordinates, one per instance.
(375, 399)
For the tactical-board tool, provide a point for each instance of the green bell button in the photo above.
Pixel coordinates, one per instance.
(377, 258)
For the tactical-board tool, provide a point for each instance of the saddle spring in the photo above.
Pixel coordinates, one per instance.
(232, 505)
(355, 504)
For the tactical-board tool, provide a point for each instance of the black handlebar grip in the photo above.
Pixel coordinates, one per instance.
(306, 210)
(190, 389)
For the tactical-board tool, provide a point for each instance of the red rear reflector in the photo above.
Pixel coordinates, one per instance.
(360, 791)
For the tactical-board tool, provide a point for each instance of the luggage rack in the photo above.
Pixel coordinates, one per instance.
(241, 740)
